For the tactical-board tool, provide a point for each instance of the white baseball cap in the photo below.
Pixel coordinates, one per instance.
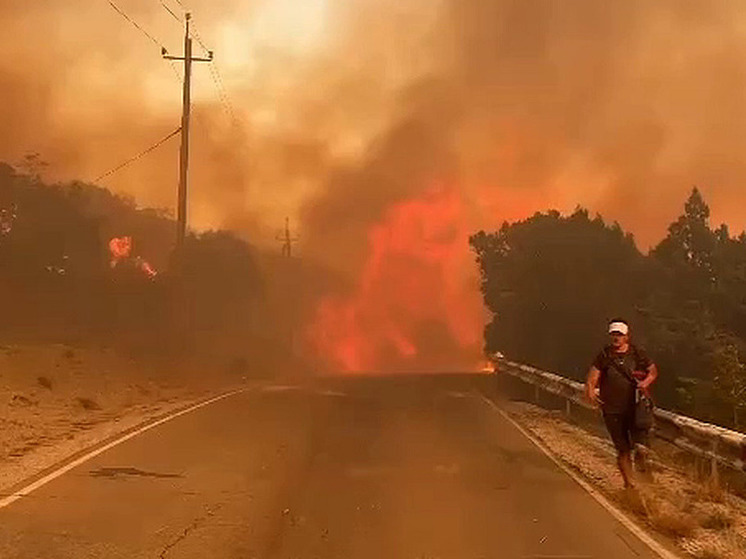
(618, 327)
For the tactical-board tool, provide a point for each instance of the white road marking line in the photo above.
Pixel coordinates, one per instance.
(605, 503)
(295, 388)
(77, 462)
(280, 388)
(331, 393)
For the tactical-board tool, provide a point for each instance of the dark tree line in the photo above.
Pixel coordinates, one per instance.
(552, 282)
(57, 283)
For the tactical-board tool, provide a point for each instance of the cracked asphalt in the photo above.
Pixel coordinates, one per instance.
(415, 467)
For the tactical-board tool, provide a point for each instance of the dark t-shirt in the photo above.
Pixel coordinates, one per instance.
(617, 391)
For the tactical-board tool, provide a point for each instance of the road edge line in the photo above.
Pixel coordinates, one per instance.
(66, 467)
(623, 518)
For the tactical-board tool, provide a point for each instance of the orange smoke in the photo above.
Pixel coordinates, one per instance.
(416, 293)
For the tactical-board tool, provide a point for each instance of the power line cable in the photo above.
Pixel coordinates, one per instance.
(148, 35)
(135, 24)
(170, 11)
(222, 94)
(138, 156)
(217, 79)
(176, 70)
(198, 38)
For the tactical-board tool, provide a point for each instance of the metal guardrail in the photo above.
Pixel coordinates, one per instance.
(718, 445)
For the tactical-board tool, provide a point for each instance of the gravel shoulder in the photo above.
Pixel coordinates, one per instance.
(701, 520)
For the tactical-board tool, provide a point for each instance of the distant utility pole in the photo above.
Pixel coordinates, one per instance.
(186, 109)
(287, 240)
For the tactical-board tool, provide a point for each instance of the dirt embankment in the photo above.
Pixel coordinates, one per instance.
(702, 521)
(57, 400)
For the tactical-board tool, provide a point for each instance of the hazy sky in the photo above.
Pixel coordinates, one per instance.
(342, 111)
(621, 106)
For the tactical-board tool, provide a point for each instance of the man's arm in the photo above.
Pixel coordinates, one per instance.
(591, 384)
(650, 377)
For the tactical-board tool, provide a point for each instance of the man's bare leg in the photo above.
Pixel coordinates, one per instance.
(642, 462)
(624, 461)
(641, 445)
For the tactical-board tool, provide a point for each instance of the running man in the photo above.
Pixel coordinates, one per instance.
(617, 372)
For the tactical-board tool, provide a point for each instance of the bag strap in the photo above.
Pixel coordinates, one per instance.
(623, 370)
(638, 392)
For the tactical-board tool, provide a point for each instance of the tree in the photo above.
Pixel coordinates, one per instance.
(222, 289)
(33, 165)
(552, 282)
(690, 244)
(695, 311)
(728, 292)
(729, 380)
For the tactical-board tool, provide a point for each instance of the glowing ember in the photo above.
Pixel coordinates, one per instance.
(7, 217)
(147, 269)
(487, 367)
(416, 294)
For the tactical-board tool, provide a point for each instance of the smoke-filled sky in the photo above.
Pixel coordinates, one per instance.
(343, 110)
(342, 106)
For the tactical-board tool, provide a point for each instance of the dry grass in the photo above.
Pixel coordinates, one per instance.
(715, 516)
(709, 546)
(670, 519)
(701, 519)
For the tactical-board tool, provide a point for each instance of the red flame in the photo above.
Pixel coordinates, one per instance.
(420, 273)
(121, 250)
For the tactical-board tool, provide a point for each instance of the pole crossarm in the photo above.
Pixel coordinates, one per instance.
(193, 59)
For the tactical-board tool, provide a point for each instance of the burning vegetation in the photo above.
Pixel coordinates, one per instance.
(121, 253)
(66, 278)
(413, 307)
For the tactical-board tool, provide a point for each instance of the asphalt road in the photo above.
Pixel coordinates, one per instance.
(374, 468)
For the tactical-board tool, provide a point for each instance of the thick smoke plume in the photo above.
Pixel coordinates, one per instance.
(343, 111)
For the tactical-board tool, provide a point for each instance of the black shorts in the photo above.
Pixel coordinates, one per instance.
(624, 435)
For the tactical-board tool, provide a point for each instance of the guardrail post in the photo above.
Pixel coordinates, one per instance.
(714, 474)
(568, 407)
(536, 394)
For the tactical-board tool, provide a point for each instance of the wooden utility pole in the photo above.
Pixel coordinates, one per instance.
(287, 240)
(185, 115)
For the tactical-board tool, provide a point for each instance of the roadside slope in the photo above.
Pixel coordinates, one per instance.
(56, 401)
